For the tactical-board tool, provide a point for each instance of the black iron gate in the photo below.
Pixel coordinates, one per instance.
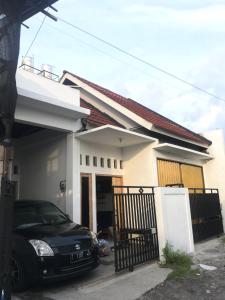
(206, 213)
(135, 228)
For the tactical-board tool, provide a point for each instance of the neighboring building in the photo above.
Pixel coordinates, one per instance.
(72, 143)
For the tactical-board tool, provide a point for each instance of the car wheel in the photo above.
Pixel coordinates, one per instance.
(19, 282)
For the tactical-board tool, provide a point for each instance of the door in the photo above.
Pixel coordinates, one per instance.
(117, 181)
(119, 211)
(174, 173)
(86, 200)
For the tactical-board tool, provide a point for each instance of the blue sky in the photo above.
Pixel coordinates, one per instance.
(183, 37)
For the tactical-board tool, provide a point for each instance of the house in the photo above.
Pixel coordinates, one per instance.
(127, 143)
(74, 140)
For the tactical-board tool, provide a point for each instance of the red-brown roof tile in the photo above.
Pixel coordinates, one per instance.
(156, 119)
(98, 118)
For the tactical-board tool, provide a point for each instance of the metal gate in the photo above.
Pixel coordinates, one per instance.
(206, 213)
(134, 228)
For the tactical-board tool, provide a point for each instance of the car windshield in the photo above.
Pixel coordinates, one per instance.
(33, 214)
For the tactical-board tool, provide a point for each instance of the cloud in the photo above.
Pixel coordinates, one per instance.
(211, 17)
(183, 104)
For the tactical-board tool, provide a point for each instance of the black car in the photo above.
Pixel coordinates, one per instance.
(48, 246)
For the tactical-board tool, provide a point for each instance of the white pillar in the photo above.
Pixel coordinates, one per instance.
(94, 202)
(73, 205)
(174, 222)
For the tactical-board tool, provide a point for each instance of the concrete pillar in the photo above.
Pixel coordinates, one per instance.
(73, 205)
(94, 202)
(174, 219)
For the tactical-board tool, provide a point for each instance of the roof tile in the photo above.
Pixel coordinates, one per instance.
(97, 117)
(156, 119)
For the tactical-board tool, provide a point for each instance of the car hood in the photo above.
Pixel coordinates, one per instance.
(56, 235)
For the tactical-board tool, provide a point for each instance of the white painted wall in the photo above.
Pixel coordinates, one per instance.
(214, 170)
(99, 151)
(41, 159)
(140, 166)
(33, 85)
(38, 115)
(174, 219)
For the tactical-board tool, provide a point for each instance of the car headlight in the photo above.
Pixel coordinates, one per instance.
(94, 238)
(41, 248)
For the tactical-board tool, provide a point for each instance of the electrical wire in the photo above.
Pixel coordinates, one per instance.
(36, 35)
(141, 60)
(111, 56)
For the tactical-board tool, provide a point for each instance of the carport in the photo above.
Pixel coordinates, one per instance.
(47, 115)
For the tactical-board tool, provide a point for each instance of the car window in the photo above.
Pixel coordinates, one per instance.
(51, 214)
(28, 215)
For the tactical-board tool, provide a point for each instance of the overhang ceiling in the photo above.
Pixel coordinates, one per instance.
(182, 152)
(114, 136)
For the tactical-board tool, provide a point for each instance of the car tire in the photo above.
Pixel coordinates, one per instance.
(19, 281)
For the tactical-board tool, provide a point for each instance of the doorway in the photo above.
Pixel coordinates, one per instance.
(86, 200)
(104, 203)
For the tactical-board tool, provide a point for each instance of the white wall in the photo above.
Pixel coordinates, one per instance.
(45, 88)
(214, 170)
(174, 219)
(39, 115)
(99, 151)
(41, 159)
(140, 166)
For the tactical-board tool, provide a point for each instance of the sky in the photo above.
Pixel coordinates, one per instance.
(183, 37)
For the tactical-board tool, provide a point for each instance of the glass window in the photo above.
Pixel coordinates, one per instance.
(109, 163)
(102, 162)
(115, 164)
(95, 162)
(87, 160)
(33, 214)
(121, 164)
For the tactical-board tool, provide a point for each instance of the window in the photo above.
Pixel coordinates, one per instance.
(102, 162)
(15, 170)
(175, 173)
(121, 164)
(109, 163)
(95, 163)
(80, 159)
(87, 160)
(115, 164)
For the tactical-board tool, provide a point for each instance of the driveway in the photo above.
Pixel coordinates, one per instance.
(101, 284)
(208, 285)
(145, 283)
